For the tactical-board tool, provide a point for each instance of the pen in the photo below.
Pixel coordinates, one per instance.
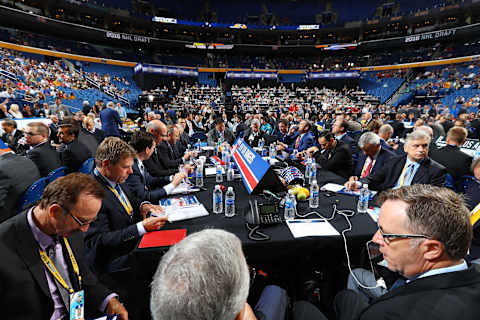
(305, 221)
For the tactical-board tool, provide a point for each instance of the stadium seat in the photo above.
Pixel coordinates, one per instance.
(198, 135)
(449, 182)
(88, 166)
(33, 194)
(466, 181)
(57, 173)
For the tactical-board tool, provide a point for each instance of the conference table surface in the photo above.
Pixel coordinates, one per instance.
(282, 243)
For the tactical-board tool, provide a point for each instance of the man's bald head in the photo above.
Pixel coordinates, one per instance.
(158, 129)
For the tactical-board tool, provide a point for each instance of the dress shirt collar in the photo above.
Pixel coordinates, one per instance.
(340, 137)
(43, 239)
(459, 267)
(110, 182)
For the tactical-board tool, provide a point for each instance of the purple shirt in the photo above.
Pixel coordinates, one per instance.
(45, 241)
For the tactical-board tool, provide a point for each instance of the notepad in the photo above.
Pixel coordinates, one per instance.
(311, 228)
(164, 238)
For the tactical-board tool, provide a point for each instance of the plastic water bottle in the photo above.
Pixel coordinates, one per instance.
(290, 206)
(294, 154)
(272, 151)
(313, 172)
(308, 168)
(189, 147)
(229, 203)
(199, 176)
(226, 157)
(217, 200)
(261, 143)
(219, 175)
(314, 197)
(362, 204)
(199, 144)
(230, 172)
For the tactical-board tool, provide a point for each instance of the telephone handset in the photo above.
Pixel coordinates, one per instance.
(263, 213)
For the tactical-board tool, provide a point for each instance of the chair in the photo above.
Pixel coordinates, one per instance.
(466, 181)
(57, 173)
(88, 166)
(33, 193)
(198, 135)
(449, 183)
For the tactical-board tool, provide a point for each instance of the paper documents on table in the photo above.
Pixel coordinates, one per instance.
(311, 228)
(374, 213)
(184, 188)
(338, 188)
(211, 171)
(183, 208)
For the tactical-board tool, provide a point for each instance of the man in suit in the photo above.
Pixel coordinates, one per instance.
(154, 165)
(424, 233)
(54, 129)
(41, 153)
(59, 109)
(73, 153)
(339, 129)
(456, 161)
(110, 120)
(29, 289)
(301, 141)
(89, 126)
(168, 153)
(142, 184)
(385, 133)
(121, 222)
(413, 168)
(220, 133)
(12, 135)
(282, 133)
(334, 156)
(372, 156)
(17, 174)
(253, 134)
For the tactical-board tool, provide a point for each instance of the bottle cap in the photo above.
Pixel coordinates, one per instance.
(230, 188)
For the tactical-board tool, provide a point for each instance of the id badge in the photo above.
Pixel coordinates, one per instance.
(77, 303)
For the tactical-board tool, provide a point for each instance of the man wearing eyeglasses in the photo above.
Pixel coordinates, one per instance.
(424, 233)
(49, 234)
(41, 152)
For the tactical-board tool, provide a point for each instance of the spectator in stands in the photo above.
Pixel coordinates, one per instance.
(142, 184)
(73, 153)
(41, 153)
(181, 288)
(456, 161)
(15, 112)
(372, 156)
(86, 107)
(220, 134)
(68, 205)
(60, 109)
(110, 120)
(424, 233)
(253, 134)
(334, 156)
(27, 111)
(38, 111)
(17, 173)
(413, 168)
(121, 221)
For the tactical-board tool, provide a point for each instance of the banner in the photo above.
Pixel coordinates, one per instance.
(470, 146)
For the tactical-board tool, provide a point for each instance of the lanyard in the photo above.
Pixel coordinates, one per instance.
(53, 270)
(123, 200)
(475, 214)
(402, 175)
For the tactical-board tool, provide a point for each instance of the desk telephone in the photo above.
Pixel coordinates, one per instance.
(264, 213)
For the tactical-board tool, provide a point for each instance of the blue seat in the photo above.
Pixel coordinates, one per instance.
(88, 166)
(57, 173)
(198, 135)
(33, 193)
(449, 183)
(466, 181)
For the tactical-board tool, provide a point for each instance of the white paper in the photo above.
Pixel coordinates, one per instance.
(374, 213)
(186, 213)
(211, 171)
(311, 228)
(208, 148)
(184, 188)
(333, 187)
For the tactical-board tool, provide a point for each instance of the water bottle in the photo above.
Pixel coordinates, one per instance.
(314, 197)
(362, 204)
(199, 176)
(308, 168)
(272, 151)
(229, 203)
(219, 176)
(313, 172)
(261, 143)
(294, 154)
(230, 172)
(199, 145)
(290, 206)
(225, 157)
(189, 148)
(217, 200)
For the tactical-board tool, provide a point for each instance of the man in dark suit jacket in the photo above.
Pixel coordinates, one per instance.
(282, 133)
(29, 290)
(41, 153)
(12, 135)
(335, 156)
(73, 153)
(220, 133)
(339, 129)
(253, 134)
(372, 156)
(413, 168)
(301, 141)
(456, 161)
(437, 232)
(17, 174)
(168, 154)
(110, 120)
(142, 184)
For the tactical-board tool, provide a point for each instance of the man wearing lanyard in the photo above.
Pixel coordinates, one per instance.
(43, 270)
(122, 221)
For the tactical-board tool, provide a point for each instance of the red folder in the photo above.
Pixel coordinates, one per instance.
(164, 238)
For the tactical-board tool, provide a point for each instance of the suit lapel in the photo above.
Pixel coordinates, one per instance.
(29, 252)
(421, 172)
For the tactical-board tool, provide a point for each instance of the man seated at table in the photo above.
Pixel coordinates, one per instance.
(334, 156)
(50, 230)
(220, 133)
(424, 233)
(122, 219)
(415, 167)
(253, 134)
(372, 156)
(282, 133)
(183, 286)
(142, 184)
(339, 129)
(302, 140)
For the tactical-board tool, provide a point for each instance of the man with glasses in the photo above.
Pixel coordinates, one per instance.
(424, 233)
(51, 234)
(41, 152)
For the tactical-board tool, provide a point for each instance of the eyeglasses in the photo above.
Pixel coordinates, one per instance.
(388, 237)
(77, 220)
(31, 134)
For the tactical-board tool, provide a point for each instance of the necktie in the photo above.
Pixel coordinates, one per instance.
(297, 142)
(142, 170)
(367, 170)
(54, 253)
(406, 175)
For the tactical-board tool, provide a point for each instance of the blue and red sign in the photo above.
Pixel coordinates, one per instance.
(251, 165)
